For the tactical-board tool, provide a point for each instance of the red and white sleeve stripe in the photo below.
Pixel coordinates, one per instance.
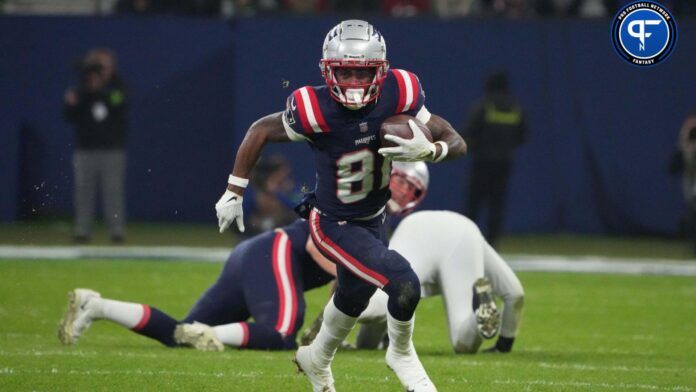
(409, 89)
(309, 111)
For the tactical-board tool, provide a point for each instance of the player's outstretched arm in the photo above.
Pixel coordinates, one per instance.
(443, 132)
(264, 130)
(267, 129)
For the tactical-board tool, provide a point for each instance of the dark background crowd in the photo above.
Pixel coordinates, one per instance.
(395, 8)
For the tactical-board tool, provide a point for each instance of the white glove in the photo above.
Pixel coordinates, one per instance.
(229, 209)
(409, 150)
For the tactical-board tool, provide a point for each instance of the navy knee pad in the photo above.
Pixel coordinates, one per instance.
(352, 302)
(404, 293)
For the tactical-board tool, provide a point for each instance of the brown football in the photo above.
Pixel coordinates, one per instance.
(398, 126)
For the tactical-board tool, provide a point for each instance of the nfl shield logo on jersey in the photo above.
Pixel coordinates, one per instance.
(363, 127)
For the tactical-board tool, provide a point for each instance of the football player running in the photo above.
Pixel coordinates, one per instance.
(341, 122)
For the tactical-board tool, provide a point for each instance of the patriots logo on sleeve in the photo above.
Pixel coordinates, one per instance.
(289, 116)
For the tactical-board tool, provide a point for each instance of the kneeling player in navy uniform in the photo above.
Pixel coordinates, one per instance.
(341, 122)
(264, 278)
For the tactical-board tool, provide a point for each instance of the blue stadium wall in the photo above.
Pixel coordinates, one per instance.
(601, 130)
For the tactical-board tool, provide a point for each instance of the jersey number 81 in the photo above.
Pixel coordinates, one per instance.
(355, 175)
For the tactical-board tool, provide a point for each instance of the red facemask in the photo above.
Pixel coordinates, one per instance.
(354, 95)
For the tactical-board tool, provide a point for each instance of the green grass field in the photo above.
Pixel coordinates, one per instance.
(580, 332)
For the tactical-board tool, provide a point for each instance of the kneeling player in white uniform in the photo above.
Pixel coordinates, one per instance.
(450, 256)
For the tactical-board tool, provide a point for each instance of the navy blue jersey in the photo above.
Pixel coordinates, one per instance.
(352, 178)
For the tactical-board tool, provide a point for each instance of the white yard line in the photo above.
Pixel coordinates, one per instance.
(601, 264)
(592, 385)
(518, 262)
(113, 252)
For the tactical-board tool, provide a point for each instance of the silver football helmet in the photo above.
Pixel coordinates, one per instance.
(408, 185)
(355, 44)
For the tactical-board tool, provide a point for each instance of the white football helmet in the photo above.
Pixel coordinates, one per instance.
(408, 185)
(355, 44)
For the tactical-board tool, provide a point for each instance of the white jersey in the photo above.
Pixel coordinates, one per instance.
(427, 239)
(448, 253)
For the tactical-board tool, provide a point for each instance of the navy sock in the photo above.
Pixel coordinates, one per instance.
(263, 337)
(157, 325)
(504, 345)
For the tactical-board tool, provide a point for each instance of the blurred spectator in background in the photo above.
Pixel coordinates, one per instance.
(405, 8)
(272, 188)
(678, 7)
(305, 6)
(138, 7)
(592, 9)
(248, 8)
(182, 7)
(496, 127)
(456, 8)
(97, 109)
(197, 7)
(685, 163)
(513, 9)
(570, 8)
(356, 7)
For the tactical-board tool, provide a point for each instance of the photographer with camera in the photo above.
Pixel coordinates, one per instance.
(97, 109)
